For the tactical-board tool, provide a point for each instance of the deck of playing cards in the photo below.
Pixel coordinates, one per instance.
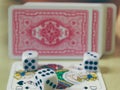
(61, 30)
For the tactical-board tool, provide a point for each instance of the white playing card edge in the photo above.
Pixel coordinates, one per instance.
(9, 86)
(90, 31)
(102, 80)
(113, 25)
(52, 6)
(101, 28)
(63, 3)
(10, 53)
(53, 57)
(101, 41)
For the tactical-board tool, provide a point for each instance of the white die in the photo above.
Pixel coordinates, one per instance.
(90, 62)
(46, 79)
(29, 59)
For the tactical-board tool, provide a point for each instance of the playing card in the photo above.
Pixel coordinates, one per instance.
(55, 31)
(98, 29)
(21, 80)
(98, 24)
(110, 28)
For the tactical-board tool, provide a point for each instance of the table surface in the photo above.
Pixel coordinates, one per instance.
(109, 65)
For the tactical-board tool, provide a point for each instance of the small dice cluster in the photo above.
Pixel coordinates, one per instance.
(91, 61)
(46, 78)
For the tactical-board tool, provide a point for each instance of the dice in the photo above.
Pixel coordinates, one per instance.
(90, 61)
(29, 59)
(46, 79)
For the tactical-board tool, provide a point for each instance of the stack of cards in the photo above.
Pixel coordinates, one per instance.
(61, 30)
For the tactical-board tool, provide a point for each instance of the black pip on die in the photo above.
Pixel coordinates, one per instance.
(46, 79)
(29, 59)
(90, 61)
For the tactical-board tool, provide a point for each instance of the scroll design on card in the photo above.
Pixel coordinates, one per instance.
(50, 32)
